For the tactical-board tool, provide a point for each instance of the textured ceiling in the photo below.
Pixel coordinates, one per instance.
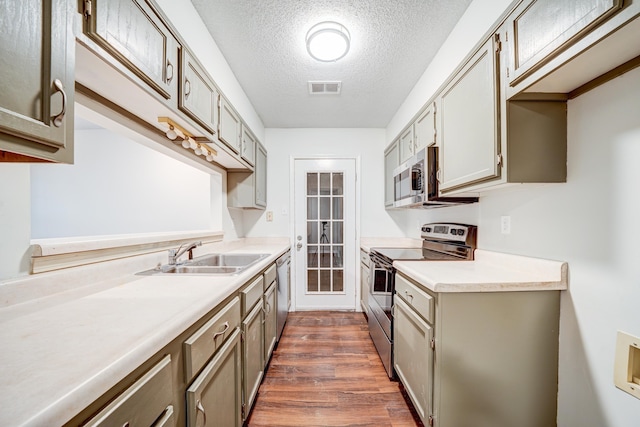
(392, 42)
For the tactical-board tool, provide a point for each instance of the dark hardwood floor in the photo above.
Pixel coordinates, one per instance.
(326, 372)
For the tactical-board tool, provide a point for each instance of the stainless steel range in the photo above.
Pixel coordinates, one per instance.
(441, 242)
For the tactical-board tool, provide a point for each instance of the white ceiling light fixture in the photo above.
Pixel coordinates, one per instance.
(328, 41)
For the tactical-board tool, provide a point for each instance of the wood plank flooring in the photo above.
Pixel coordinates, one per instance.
(326, 372)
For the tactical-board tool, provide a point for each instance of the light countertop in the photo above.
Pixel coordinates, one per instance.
(488, 272)
(58, 358)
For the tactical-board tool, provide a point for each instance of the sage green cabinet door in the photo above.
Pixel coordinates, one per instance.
(270, 313)
(215, 396)
(261, 175)
(252, 356)
(541, 28)
(229, 125)
(407, 148)
(391, 161)
(198, 94)
(37, 47)
(248, 145)
(132, 32)
(424, 129)
(468, 122)
(413, 357)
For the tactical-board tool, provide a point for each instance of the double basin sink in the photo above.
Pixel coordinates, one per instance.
(225, 264)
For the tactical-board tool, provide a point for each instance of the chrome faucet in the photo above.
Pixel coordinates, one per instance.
(174, 254)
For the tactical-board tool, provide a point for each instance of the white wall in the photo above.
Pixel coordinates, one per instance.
(15, 220)
(590, 222)
(283, 144)
(117, 186)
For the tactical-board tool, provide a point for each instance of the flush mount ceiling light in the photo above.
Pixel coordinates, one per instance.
(328, 41)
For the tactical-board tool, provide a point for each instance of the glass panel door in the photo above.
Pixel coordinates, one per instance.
(325, 232)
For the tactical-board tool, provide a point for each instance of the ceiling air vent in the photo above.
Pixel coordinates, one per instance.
(324, 88)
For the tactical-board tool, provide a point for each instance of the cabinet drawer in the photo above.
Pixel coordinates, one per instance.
(143, 403)
(209, 338)
(417, 299)
(269, 276)
(252, 294)
(364, 258)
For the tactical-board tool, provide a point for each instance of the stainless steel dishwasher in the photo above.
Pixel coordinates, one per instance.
(283, 274)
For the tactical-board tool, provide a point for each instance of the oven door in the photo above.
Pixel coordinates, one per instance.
(381, 284)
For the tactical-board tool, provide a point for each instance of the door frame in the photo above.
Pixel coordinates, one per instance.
(292, 228)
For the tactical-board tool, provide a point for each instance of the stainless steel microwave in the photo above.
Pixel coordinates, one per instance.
(415, 183)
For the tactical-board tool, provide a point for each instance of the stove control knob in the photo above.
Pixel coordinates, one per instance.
(426, 229)
(454, 231)
(460, 231)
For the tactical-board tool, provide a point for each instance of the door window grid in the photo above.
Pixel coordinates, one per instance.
(325, 232)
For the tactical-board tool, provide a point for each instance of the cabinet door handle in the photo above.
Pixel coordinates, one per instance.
(217, 334)
(393, 311)
(169, 71)
(187, 88)
(57, 120)
(200, 408)
(439, 175)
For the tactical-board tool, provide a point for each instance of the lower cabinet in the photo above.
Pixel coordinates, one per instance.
(208, 376)
(252, 357)
(413, 357)
(215, 397)
(481, 359)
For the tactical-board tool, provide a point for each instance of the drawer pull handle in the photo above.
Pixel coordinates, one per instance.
(57, 120)
(200, 408)
(217, 334)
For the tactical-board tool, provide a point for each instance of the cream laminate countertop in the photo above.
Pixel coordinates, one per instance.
(58, 358)
(488, 272)
(366, 243)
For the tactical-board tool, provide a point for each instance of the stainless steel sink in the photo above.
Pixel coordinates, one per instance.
(190, 269)
(226, 260)
(211, 264)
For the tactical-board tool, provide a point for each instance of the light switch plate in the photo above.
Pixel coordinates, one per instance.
(269, 216)
(626, 372)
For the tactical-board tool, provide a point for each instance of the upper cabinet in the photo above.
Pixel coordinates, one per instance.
(198, 94)
(37, 86)
(134, 69)
(543, 27)
(424, 128)
(570, 46)
(391, 161)
(248, 145)
(468, 110)
(229, 125)
(248, 190)
(261, 176)
(407, 144)
(132, 32)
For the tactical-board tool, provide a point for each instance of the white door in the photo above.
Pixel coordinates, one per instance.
(325, 234)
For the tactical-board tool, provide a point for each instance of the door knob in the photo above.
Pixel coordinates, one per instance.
(299, 246)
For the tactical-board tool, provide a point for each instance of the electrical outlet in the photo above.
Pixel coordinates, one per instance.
(505, 224)
(269, 216)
